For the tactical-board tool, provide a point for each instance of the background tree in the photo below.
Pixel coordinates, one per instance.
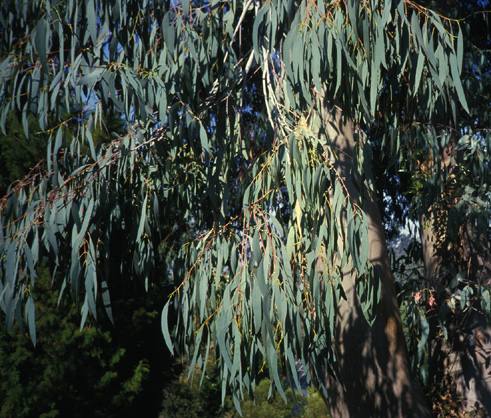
(98, 370)
(103, 369)
(20, 154)
(287, 258)
(451, 205)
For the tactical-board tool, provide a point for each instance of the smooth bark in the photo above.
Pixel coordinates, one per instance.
(373, 360)
(461, 362)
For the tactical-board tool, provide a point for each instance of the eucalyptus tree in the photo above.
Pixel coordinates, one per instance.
(247, 128)
(453, 207)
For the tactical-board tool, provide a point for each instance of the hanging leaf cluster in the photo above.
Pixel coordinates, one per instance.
(222, 103)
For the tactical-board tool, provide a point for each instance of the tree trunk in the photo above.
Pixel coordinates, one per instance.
(461, 363)
(373, 360)
(431, 260)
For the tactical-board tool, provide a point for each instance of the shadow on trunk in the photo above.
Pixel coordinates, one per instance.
(373, 361)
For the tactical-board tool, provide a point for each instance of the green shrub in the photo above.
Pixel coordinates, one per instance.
(102, 370)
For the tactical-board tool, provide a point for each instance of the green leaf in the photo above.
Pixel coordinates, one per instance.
(165, 327)
(204, 140)
(418, 74)
(41, 39)
(87, 218)
(457, 82)
(258, 21)
(31, 318)
(373, 94)
(92, 77)
(143, 218)
(460, 50)
(256, 248)
(425, 327)
(92, 20)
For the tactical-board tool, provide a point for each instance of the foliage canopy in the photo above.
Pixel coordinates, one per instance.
(222, 103)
